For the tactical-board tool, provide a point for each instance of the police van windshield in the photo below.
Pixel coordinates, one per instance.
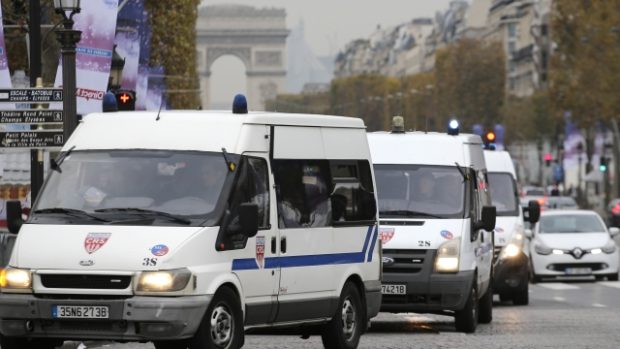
(167, 187)
(413, 191)
(504, 194)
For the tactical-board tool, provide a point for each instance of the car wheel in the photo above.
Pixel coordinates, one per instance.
(521, 296)
(466, 319)
(345, 328)
(485, 308)
(222, 325)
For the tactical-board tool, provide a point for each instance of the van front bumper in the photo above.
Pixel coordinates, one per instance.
(131, 319)
(511, 274)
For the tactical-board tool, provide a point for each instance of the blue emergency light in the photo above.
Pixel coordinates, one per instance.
(453, 127)
(240, 105)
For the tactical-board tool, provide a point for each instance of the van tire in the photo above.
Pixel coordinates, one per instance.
(521, 296)
(346, 327)
(466, 319)
(485, 309)
(225, 312)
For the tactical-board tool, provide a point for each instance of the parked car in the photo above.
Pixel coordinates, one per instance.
(573, 243)
(613, 213)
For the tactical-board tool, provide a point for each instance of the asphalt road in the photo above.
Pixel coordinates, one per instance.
(560, 315)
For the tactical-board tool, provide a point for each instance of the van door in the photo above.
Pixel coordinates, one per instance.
(254, 267)
(484, 244)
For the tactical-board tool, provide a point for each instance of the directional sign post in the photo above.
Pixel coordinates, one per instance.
(31, 95)
(32, 116)
(32, 139)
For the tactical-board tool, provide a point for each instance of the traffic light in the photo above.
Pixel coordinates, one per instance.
(126, 100)
(603, 164)
(548, 157)
(489, 140)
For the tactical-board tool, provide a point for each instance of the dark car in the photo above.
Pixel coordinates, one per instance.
(613, 213)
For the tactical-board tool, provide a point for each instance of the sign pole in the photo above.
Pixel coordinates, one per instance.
(34, 32)
(68, 38)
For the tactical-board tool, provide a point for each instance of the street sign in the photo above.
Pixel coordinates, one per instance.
(32, 139)
(31, 95)
(34, 116)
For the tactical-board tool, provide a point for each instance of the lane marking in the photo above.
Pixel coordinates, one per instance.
(598, 305)
(559, 299)
(558, 286)
(614, 284)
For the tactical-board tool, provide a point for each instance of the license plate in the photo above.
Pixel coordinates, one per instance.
(394, 289)
(578, 271)
(80, 312)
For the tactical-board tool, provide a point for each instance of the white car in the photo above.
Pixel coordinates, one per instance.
(573, 243)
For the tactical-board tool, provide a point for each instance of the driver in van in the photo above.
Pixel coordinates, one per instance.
(425, 187)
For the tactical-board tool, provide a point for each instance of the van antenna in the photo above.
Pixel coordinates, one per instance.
(160, 106)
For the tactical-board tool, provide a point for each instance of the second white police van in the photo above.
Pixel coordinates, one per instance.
(512, 262)
(436, 221)
(184, 228)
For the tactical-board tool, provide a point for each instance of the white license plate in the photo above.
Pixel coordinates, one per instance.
(578, 271)
(394, 289)
(80, 312)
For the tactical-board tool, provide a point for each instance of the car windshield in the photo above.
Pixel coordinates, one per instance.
(411, 191)
(158, 186)
(504, 194)
(571, 223)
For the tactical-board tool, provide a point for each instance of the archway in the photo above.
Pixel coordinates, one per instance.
(256, 36)
(228, 77)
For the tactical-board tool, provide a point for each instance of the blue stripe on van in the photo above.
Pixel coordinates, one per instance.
(310, 260)
(372, 245)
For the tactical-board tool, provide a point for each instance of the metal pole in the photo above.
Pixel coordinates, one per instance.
(68, 39)
(616, 157)
(34, 32)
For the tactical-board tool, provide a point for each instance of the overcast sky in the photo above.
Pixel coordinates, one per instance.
(330, 25)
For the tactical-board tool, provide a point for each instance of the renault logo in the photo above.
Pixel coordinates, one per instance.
(577, 252)
(387, 261)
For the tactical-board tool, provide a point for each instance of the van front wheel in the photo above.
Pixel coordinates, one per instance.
(345, 328)
(222, 325)
(466, 319)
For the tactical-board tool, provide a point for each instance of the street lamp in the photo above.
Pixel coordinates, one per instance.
(579, 160)
(116, 71)
(68, 38)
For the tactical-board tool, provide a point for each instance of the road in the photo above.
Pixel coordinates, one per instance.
(560, 315)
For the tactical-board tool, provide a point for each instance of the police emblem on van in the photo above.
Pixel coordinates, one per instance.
(386, 234)
(260, 251)
(94, 241)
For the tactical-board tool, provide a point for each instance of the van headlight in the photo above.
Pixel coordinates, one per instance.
(16, 280)
(510, 251)
(447, 260)
(164, 281)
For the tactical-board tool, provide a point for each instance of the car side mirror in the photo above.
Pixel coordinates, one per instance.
(14, 216)
(529, 233)
(248, 219)
(487, 221)
(614, 231)
(533, 210)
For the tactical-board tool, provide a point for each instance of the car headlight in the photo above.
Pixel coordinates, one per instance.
(15, 280)
(447, 260)
(510, 251)
(610, 247)
(164, 281)
(542, 249)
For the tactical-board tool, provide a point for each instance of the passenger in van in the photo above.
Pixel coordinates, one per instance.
(317, 201)
(425, 187)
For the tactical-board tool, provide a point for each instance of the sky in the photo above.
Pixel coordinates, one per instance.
(329, 24)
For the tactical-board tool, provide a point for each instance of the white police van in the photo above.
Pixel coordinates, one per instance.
(436, 221)
(184, 228)
(511, 269)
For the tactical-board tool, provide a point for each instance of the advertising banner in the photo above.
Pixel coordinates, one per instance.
(131, 19)
(97, 21)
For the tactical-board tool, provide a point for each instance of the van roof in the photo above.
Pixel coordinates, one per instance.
(499, 161)
(428, 148)
(186, 130)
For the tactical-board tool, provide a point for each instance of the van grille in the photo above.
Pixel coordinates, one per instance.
(99, 282)
(405, 261)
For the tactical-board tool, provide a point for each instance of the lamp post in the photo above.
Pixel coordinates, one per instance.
(579, 160)
(68, 38)
(116, 71)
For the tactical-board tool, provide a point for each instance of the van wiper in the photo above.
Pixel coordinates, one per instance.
(463, 173)
(149, 213)
(70, 212)
(408, 213)
(55, 163)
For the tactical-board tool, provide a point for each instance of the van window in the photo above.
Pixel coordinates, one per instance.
(420, 191)
(303, 193)
(504, 194)
(252, 187)
(352, 197)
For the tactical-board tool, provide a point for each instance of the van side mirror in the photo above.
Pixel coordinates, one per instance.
(248, 219)
(487, 222)
(533, 211)
(614, 231)
(14, 216)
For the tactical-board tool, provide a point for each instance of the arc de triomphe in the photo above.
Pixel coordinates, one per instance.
(256, 36)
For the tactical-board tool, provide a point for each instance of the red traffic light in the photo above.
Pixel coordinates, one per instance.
(548, 157)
